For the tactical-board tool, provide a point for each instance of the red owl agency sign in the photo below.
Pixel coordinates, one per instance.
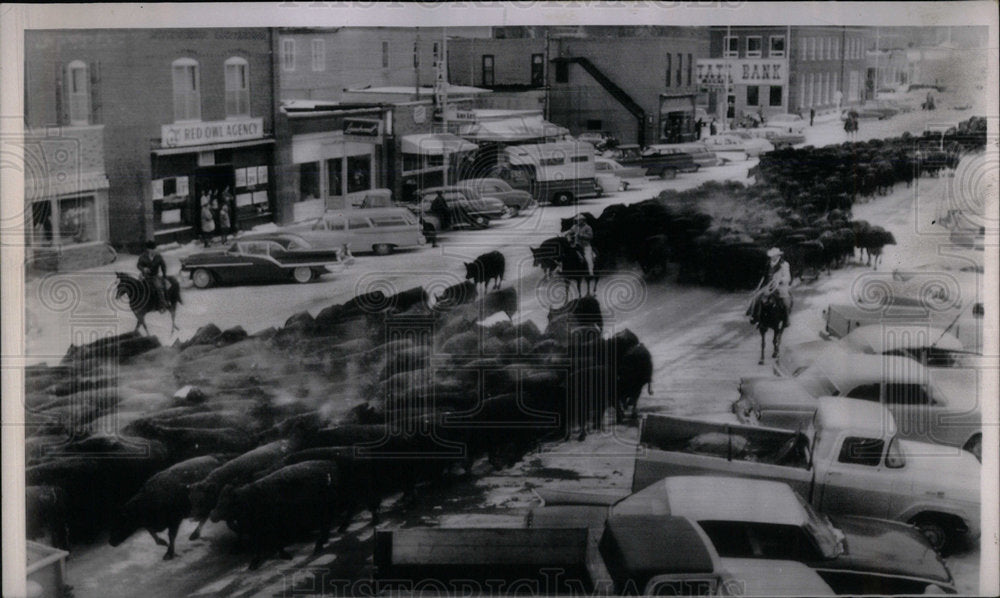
(712, 72)
(220, 131)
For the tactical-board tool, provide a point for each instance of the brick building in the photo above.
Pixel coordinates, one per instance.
(181, 114)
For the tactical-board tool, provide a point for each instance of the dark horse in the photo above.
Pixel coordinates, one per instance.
(557, 256)
(142, 298)
(772, 317)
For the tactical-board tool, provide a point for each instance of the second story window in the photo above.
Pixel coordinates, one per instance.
(753, 46)
(537, 70)
(777, 46)
(669, 70)
(288, 54)
(237, 87)
(690, 63)
(680, 67)
(78, 93)
(318, 55)
(731, 47)
(385, 55)
(187, 90)
(488, 78)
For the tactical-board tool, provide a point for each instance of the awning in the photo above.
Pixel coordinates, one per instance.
(193, 149)
(435, 144)
(513, 129)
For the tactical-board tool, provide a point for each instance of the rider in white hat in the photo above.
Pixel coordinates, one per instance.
(777, 280)
(580, 235)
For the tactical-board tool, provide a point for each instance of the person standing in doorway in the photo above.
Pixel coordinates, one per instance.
(224, 223)
(207, 221)
(698, 124)
(713, 128)
(812, 115)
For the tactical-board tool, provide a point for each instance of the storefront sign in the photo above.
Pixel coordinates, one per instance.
(419, 114)
(361, 128)
(711, 72)
(220, 131)
(461, 115)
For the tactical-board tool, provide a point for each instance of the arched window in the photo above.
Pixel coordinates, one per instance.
(78, 93)
(237, 87)
(187, 90)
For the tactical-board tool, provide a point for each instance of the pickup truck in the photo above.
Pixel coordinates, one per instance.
(848, 461)
(662, 161)
(578, 551)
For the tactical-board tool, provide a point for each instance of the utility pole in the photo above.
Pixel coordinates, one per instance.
(416, 67)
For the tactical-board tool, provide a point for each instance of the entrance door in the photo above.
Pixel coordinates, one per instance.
(211, 185)
(731, 106)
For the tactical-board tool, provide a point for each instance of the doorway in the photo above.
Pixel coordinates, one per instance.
(214, 185)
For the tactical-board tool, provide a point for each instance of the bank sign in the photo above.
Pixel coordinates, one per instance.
(711, 72)
(219, 131)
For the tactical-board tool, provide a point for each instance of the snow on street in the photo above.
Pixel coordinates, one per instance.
(699, 337)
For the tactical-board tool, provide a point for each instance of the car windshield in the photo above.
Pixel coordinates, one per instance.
(297, 243)
(828, 539)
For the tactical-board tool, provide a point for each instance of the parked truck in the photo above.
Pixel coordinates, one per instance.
(848, 461)
(560, 172)
(579, 551)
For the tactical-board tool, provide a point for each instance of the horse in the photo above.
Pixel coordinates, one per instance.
(771, 317)
(556, 255)
(142, 298)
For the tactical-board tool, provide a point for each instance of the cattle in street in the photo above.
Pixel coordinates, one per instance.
(487, 267)
(634, 370)
(503, 300)
(186, 443)
(46, 512)
(162, 503)
(456, 294)
(548, 255)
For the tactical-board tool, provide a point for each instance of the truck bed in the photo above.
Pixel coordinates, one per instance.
(670, 445)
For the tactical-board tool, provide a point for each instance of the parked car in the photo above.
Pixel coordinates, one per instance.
(791, 122)
(379, 230)
(375, 198)
(924, 410)
(273, 257)
(516, 200)
(612, 176)
(849, 459)
(466, 206)
(701, 155)
(734, 144)
(656, 161)
(877, 109)
(601, 140)
(779, 137)
(929, 345)
(753, 518)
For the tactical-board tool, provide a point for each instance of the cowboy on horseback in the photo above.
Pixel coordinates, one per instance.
(154, 270)
(776, 282)
(579, 236)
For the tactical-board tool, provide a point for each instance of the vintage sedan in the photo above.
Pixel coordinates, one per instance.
(924, 410)
(736, 144)
(614, 177)
(275, 257)
(465, 206)
(656, 161)
(378, 230)
(764, 519)
(779, 137)
(516, 200)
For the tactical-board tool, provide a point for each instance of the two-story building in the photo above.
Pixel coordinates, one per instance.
(184, 117)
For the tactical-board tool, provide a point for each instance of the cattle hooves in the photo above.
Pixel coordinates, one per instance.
(168, 556)
(761, 362)
(774, 355)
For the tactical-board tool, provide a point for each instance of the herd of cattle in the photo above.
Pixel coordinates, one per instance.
(442, 391)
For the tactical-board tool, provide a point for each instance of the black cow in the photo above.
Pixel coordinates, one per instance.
(504, 300)
(162, 503)
(405, 300)
(581, 313)
(633, 371)
(456, 294)
(488, 266)
(279, 508)
(548, 255)
(46, 512)
(186, 443)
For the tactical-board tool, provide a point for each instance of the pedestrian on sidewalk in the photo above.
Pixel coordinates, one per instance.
(207, 222)
(713, 128)
(812, 115)
(224, 222)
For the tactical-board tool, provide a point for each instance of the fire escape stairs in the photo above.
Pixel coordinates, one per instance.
(616, 92)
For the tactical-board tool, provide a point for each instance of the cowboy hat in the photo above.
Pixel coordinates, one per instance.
(774, 252)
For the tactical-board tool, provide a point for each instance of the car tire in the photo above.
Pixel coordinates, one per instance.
(513, 211)
(563, 198)
(303, 274)
(382, 249)
(202, 278)
(934, 530)
(668, 173)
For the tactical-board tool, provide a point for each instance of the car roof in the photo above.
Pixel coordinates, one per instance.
(443, 188)
(718, 498)
(390, 211)
(841, 413)
(849, 369)
(480, 180)
(883, 337)
(270, 237)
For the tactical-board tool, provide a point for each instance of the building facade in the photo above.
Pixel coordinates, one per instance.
(185, 117)
(776, 70)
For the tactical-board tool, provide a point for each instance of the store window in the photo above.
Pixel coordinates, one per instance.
(754, 46)
(488, 70)
(78, 220)
(359, 173)
(288, 54)
(731, 46)
(237, 87)
(187, 90)
(318, 55)
(776, 48)
(669, 69)
(309, 181)
(334, 178)
(775, 99)
(78, 92)
(537, 70)
(753, 95)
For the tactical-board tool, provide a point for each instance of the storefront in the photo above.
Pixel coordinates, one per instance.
(744, 87)
(329, 159)
(677, 118)
(187, 173)
(431, 159)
